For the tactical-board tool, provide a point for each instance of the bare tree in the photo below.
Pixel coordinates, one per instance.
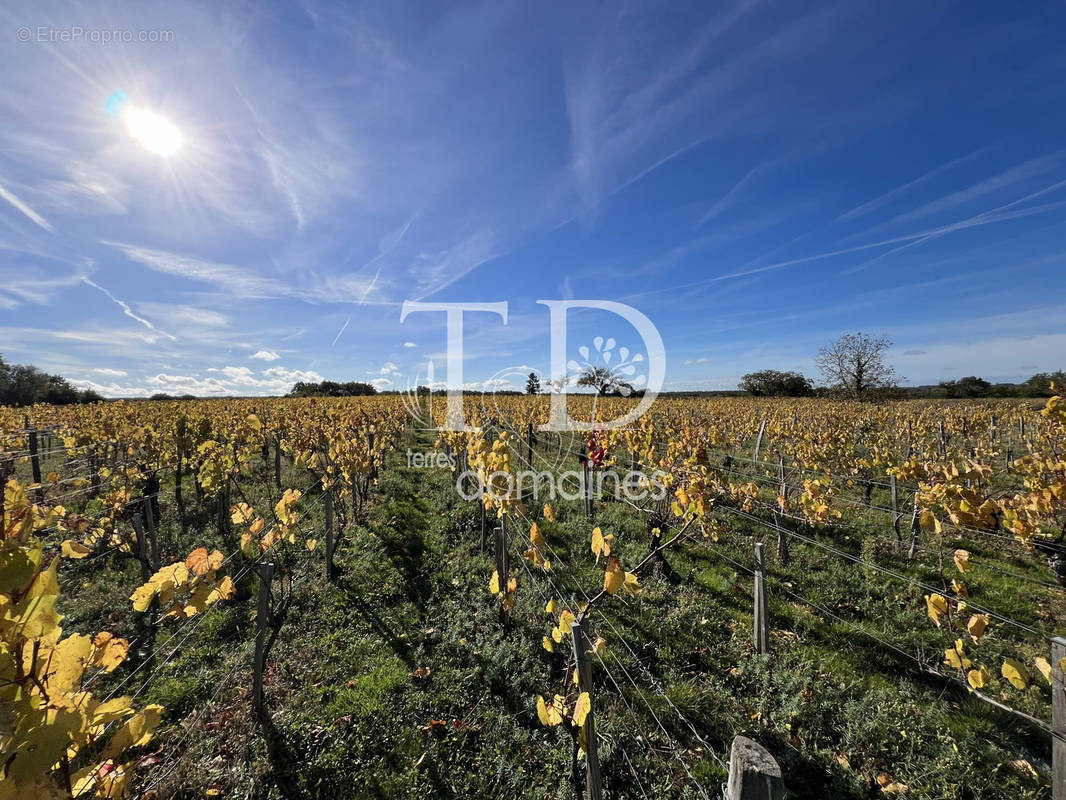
(856, 363)
(604, 381)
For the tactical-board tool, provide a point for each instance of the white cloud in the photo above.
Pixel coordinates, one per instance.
(265, 355)
(381, 383)
(344, 327)
(25, 209)
(691, 361)
(293, 375)
(114, 373)
(243, 282)
(127, 310)
(409, 344)
(388, 368)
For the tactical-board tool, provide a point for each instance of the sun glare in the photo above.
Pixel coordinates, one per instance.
(155, 133)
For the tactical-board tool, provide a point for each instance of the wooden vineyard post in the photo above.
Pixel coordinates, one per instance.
(94, 475)
(150, 528)
(582, 647)
(502, 571)
(915, 527)
(370, 449)
(754, 774)
(265, 570)
(895, 510)
(277, 460)
(484, 521)
(529, 444)
(1058, 719)
(758, 441)
(586, 474)
(178, 500)
(142, 548)
(761, 633)
(330, 543)
(782, 541)
(35, 461)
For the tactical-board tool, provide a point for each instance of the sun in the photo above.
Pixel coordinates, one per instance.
(155, 133)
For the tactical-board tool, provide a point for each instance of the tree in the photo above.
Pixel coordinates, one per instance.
(332, 389)
(532, 384)
(28, 385)
(1040, 384)
(970, 386)
(771, 383)
(604, 381)
(5, 382)
(856, 364)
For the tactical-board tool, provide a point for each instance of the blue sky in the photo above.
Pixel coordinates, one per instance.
(755, 177)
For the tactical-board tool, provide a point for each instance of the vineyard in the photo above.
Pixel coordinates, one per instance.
(273, 598)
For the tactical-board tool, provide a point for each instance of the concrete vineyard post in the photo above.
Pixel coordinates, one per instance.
(761, 633)
(1058, 719)
(265, 571)
(758, 441)
(582, 647)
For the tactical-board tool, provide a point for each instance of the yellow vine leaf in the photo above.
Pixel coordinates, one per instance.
(581, 709)
(976, 625)
(535, 536)
(547, 644)
(962, 560)
(1015, 672)
(954, 657)
(201, 563)
(936, 606)
(550, 607)
(977, 678)
(614, 577)
(136, 731)
(601, 545)
(548, 713)
(1043, 666)
(72, 549)
(494, 583)
(241, 513)
(548, 512)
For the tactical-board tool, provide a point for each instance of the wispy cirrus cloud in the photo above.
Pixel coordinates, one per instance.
(243, 282)
(128, 311)
(22, 207)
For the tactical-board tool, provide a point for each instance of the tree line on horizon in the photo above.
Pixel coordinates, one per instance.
(25, 384)
(854, 365)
